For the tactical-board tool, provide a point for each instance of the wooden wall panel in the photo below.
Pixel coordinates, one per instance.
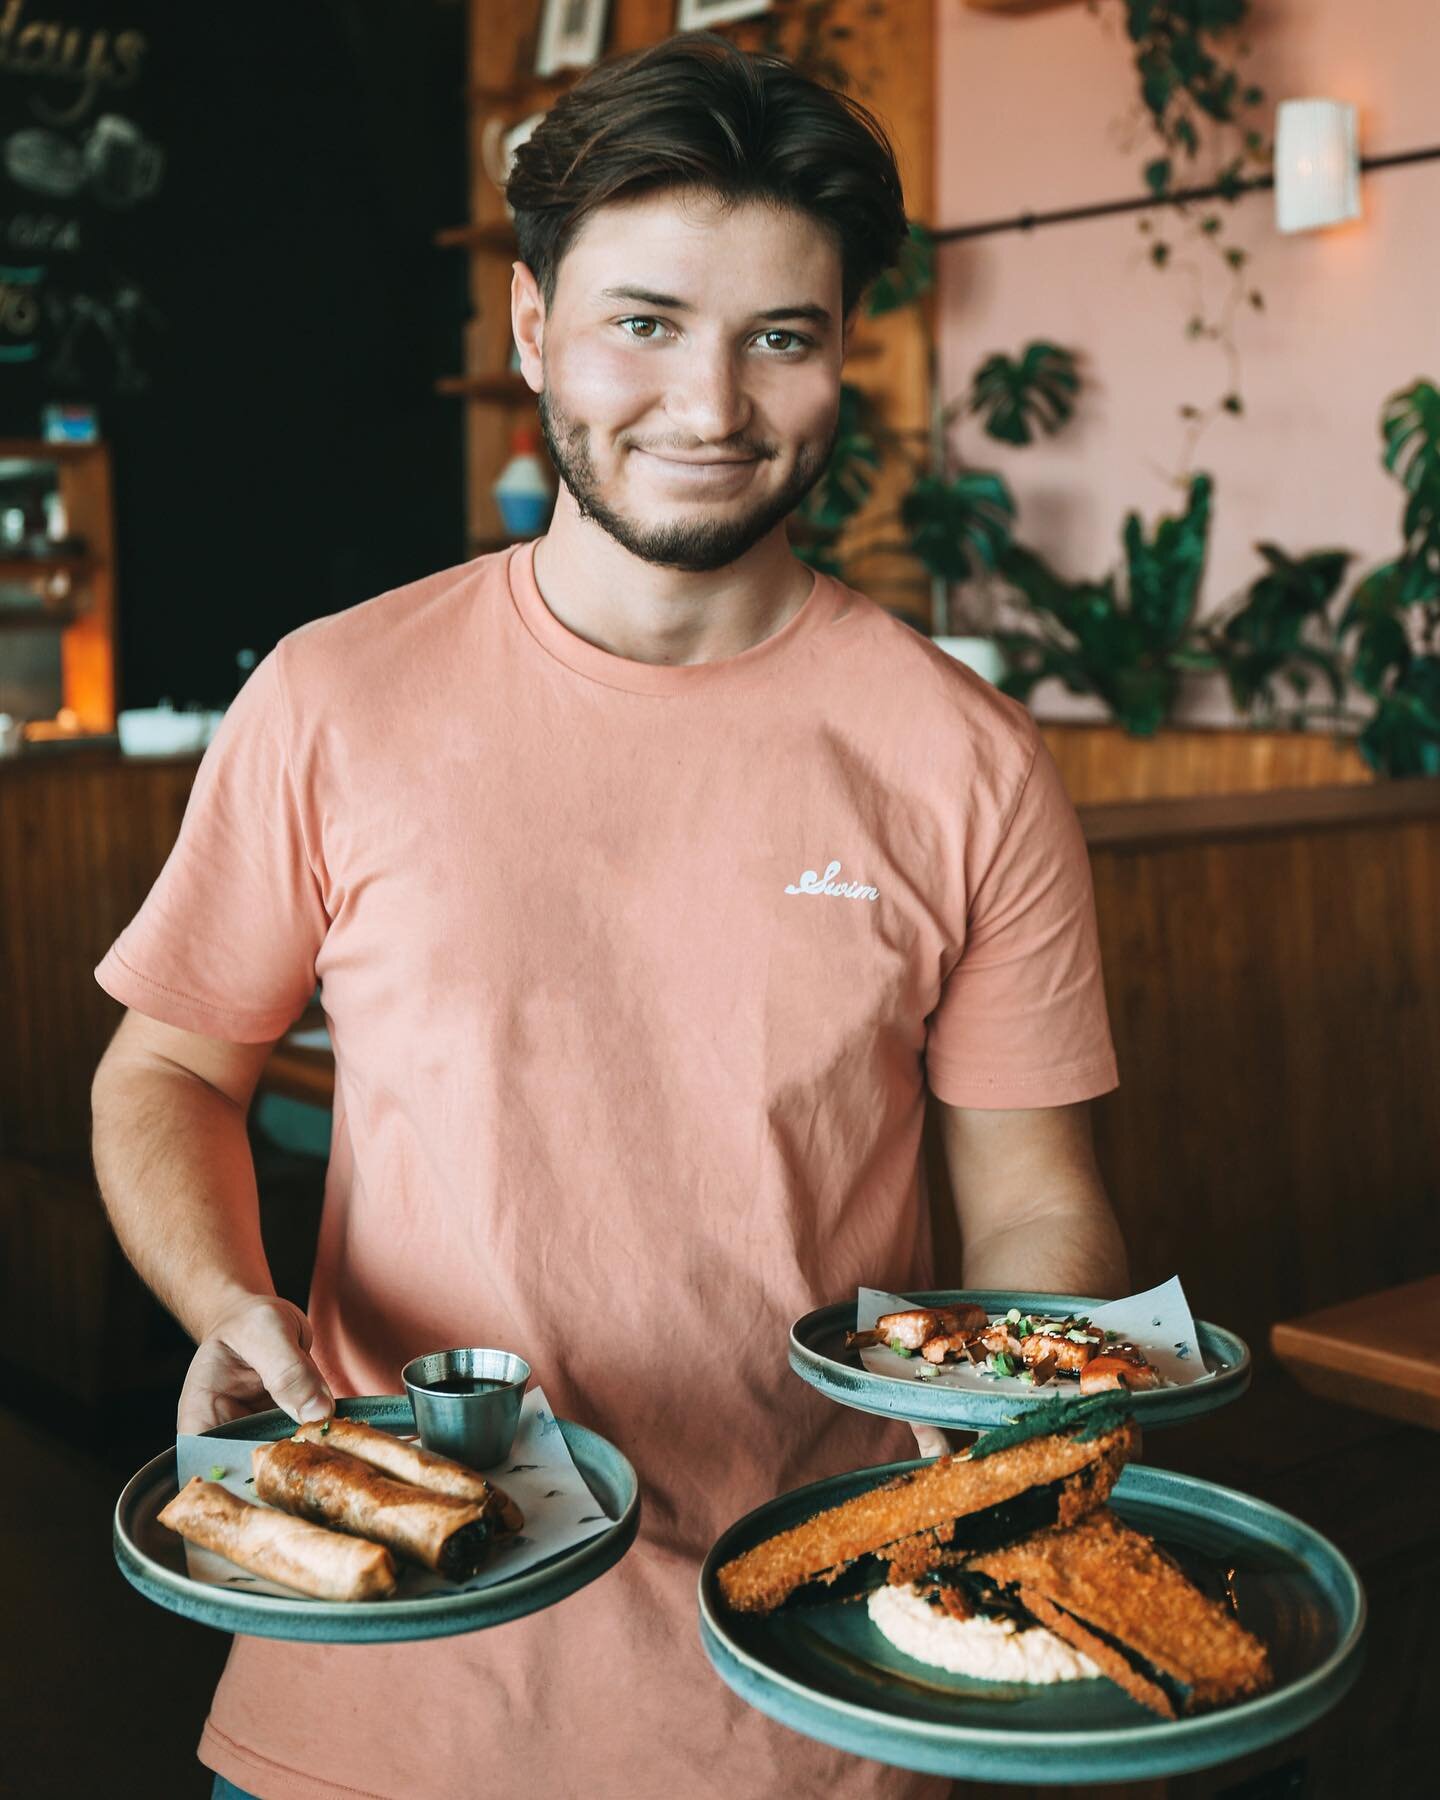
(1101, 763)
(81, 840)
(1275, 1001)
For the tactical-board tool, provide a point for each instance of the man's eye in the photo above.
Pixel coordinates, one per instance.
(793, 340)
(648, 329)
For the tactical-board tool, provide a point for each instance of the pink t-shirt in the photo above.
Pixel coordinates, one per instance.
(636, 976)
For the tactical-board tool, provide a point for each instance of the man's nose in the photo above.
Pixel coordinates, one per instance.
(708, 397)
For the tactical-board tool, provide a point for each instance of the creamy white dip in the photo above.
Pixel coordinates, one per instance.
(988, 1649)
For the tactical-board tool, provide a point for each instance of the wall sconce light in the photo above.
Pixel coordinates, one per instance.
(1317, 164)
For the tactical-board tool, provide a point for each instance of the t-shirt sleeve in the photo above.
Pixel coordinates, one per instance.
(1021, 1019)
(226, 940)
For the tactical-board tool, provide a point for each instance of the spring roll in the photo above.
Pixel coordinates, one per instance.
(438, 1531)
(306, 1557)
(409, 1462)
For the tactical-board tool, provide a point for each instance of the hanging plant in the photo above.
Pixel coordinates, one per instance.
(1194, 98)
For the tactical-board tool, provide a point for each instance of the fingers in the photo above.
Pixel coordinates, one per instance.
(271, 1342)
(930, 1440)
(257, 1350)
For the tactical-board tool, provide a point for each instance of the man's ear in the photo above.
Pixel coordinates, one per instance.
(527, 321)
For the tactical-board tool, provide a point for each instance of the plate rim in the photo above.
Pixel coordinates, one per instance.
(1156, 1408)
(434, 1615)
(1338, 1669)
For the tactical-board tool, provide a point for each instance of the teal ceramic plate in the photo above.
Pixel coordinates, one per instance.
(826, 1672)
(152, 1558)
(818, 1355)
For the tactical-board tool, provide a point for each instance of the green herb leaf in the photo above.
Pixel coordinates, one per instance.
(324, 1429)
(217, 1470)
(1004, 1363)
(899, 1348)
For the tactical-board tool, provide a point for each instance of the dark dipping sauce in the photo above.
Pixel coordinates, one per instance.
(463, 1384)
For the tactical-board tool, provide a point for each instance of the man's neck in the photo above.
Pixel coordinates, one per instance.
(604, 594)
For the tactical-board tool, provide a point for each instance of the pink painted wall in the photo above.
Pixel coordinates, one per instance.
(1028, 110)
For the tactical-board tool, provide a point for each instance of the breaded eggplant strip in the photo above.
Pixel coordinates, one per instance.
(912, 1520)
(1115, 1595)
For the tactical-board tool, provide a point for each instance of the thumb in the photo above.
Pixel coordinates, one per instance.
(930, 1440)
(273, 1342)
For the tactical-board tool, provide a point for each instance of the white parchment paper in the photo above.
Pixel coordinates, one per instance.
(539, 1475)
(1157, 1321)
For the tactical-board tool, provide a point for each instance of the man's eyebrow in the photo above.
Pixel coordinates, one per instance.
(817, 315)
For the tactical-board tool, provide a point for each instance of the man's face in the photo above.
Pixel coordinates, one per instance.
(691, 365)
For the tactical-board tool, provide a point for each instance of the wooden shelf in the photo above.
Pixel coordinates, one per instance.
(32, 618)
(499, 236)
(13, 568)
(37, 450)
(499, 390)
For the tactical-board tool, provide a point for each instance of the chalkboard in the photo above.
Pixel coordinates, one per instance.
(81, 165)
(243, 281)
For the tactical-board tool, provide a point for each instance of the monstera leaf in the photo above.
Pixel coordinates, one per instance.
(1017, 399)
(912, 276)
(849, 477)
(1410, 425)
(959, 524)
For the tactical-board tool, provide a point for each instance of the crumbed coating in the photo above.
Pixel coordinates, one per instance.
(911, 1519)
(1100, 1574)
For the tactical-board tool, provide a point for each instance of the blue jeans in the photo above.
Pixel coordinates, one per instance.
(226, 1790)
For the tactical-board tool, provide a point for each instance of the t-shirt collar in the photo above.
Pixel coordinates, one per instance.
(654, 678)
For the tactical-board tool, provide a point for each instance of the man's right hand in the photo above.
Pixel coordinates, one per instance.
(255, 1354)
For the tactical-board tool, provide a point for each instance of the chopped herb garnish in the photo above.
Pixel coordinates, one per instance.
(1012, 1315)
(1004, 1364)
(325, 1428)
(1078, 1337)
(1110, 1336)
(899, 1348)
(1026, 1328)
(1028, 1377)
(216, 1471)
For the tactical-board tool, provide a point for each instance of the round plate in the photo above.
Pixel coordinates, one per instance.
(818, 1355)
(827, 1672)
(152, 1558)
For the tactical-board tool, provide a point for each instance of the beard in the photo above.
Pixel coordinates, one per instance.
(696, 545)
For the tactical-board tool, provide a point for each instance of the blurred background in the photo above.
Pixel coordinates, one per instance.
(1144, 427)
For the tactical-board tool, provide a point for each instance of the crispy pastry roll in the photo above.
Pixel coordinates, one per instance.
(299, 1555)
(409, 1462)
(438, 1531)
(901, 1529)
(1112, 1593)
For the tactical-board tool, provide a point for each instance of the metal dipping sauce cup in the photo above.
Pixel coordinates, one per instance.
(475, 1428)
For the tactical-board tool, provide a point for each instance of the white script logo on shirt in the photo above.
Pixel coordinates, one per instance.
(811, 883)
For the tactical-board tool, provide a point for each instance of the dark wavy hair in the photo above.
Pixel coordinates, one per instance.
(696, 112)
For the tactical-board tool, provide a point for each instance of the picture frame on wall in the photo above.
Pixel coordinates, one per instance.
(572, 33)
(698, 15)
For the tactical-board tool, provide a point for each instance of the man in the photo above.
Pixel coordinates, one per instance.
(648, 879)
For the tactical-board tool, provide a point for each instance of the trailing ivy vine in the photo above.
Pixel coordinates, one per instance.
(1195, 102)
